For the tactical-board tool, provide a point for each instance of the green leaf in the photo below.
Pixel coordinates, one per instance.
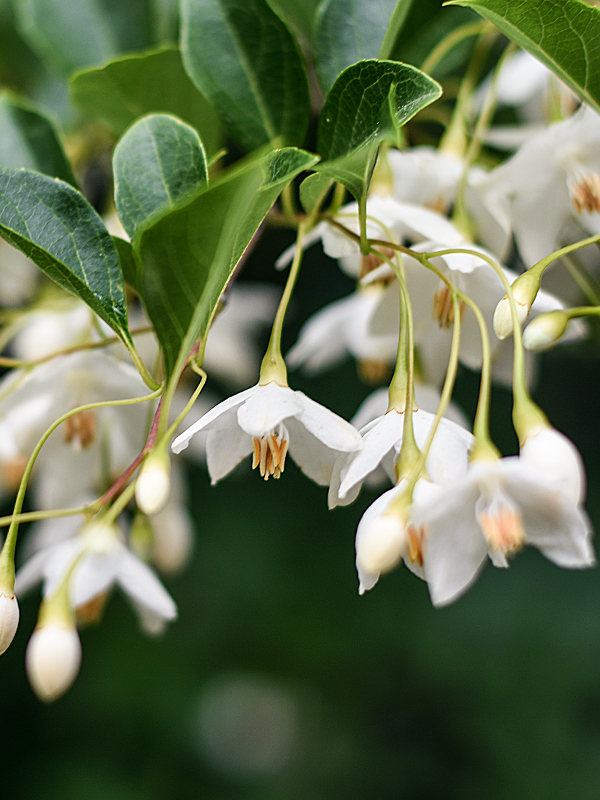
(298, 16)
(313, 190)
(347, 31)
(132, 86)
(367, 106)
(56, 227)
(70, 34)
(563, 34)
(157, 163)
(186, 258)
(28, 139)
(244, 59)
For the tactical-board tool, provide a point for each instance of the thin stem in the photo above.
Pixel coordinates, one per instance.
(454, 38)
(8, 551)
(273, 366)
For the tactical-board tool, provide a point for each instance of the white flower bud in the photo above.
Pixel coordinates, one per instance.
(52, 660)
(545, 330)
(381, 545)
(154, 484)
(524, 291)
(9, 619)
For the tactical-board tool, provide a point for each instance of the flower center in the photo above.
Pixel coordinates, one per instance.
(585, 193)
(443, 308)
(414, 544)
(269, 452)
(372, 261)
(502, 525)
(80, 429)
(374, 372)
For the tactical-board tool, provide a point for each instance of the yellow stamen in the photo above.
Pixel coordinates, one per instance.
(443, 308)
(80, 429)
(585, 194)
(503, 528)
(268, 454)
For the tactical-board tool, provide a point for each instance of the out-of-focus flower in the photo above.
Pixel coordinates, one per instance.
(9, 618)
(266, 420)
(99, 560)
(551, 180)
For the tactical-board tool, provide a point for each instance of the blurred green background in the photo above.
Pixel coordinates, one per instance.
(278, 680)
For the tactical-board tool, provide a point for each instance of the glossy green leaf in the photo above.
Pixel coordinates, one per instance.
(71, 34)
(245, 60)
(563, 34)
(368, 105)
(128, 88)
(158, 162)
(58, 229)
(347, 31)
(313, 190)
(186, 258)
(127, 260)
(29, 139)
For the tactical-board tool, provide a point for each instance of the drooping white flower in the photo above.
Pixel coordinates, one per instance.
(342, 328)
(553, 179)
(493, 510)
(382, 441)
(101, 560)
(33, 400)
(266, 420)
(385, 535)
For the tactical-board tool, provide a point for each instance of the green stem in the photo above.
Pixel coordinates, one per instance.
(454, 38)
(273, 365)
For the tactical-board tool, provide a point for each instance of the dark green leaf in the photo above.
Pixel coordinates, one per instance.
(186, 258)
(347, 31)
(71, 34)
(157, 163)
(58, 229)
(131, 87)
(368, 105)
(563, 34)
(244, 59)
(28, 139)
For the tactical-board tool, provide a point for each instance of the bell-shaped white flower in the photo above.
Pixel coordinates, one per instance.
(553, 178)
(342, 328)
(493, 510)
(267, 420)
(382, 441)
(101, 560)
(385, 535)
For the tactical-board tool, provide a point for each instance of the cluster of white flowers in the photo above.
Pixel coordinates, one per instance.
(431, 292)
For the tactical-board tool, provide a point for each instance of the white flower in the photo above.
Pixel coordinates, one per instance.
(33, 400)
(382, 441)
(102, 561)
(342, 328)
(493, 510)
(552, 179)
(385, 536)
(57, 324)
(266, 421)
(550, 453)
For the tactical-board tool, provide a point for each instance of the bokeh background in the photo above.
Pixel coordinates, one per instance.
(278, 680)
